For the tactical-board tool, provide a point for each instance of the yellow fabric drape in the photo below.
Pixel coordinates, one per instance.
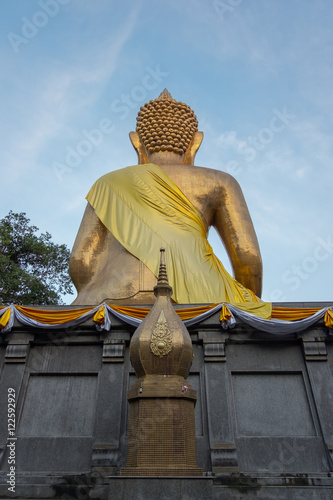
(141, 312)
(192, 312)
(99, 316)
(4, 319)
(225, 314)
(145, 210)
(52, 317)
(135, 312)
(261, 309)
(57, 317)
(329, 318)
(293, 314)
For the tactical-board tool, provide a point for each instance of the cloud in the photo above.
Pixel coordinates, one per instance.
(49, 106)
(229, 139)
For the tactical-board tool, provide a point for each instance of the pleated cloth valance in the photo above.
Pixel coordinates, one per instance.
(283, 321)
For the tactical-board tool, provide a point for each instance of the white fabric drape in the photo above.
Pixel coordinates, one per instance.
(25, 320)
(273, 326)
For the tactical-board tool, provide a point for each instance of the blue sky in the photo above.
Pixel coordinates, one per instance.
(257, 73)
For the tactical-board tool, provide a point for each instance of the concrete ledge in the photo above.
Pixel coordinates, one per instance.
(224, 487)
(219, 487)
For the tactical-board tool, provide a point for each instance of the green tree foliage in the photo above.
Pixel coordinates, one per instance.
(33, 270)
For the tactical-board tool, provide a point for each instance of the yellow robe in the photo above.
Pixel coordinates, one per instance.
(145, 210)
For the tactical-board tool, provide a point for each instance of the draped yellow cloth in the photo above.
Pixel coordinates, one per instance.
(55, 317)
(58, 317)
(4, 318)
(145, 210)
(293, 314)
(329, 318)
(281, 313)
(52, 317)
(141, 312)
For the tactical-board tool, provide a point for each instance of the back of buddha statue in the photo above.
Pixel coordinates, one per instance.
(132, 211)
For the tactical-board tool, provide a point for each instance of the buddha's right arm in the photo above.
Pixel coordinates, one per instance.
(88, 246)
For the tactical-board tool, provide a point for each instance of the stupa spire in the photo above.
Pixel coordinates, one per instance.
(162, 287)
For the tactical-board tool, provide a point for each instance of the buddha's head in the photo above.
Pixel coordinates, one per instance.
(166, 131)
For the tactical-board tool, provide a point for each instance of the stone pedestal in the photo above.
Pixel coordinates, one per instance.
(263, 416)
(162, 428)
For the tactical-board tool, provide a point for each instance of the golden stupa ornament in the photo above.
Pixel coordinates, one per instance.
(161, 339)
(161, 437)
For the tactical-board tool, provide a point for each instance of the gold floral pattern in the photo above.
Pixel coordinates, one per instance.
(161, 339)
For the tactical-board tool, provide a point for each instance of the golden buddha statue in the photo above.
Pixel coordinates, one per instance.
(165, 201)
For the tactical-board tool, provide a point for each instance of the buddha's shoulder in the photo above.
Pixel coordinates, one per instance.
(212, 172)
(214, 177)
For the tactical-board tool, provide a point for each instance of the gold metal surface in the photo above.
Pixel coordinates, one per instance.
(162, 318)
(161, 437)
(102, 269)
(161, 338)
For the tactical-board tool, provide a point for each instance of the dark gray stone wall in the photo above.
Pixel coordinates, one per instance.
(263, 418)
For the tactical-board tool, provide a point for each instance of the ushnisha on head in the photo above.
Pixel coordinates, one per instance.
(166, 125)
(166, 131)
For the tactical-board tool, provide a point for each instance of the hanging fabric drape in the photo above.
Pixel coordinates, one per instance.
(50, 320)
(284, 321)
(145, 210)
